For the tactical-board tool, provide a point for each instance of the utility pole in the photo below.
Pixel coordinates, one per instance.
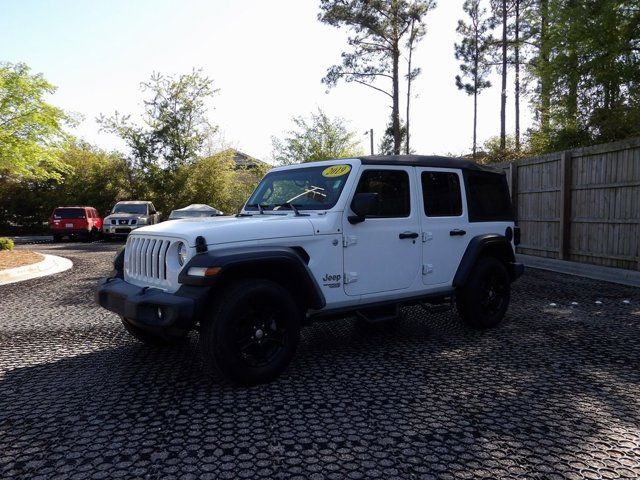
(370, 133)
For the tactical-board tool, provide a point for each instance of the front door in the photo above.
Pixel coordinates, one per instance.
(444, 223)
(383, 253)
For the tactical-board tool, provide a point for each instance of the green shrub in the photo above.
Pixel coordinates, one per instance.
(6, 243)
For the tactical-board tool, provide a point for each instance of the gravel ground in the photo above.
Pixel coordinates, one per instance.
(554, 392)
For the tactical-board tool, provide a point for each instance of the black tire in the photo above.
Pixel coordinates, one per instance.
(150, 338)
(252, 332)
(483, 301)
(57, 238)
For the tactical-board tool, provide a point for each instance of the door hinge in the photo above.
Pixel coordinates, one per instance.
(348, 240)
(427, 269)
(427, 236)
(350, 277)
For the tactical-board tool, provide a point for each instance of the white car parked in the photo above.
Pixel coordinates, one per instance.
(322, 240)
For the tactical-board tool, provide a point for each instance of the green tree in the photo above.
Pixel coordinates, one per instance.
(173, 132)
(95, 177)
(494, 152)
(380, 31)
(317, 137)
(386, 146)
(90, 177)
(31, 129)
(473, 52)
(588, 69)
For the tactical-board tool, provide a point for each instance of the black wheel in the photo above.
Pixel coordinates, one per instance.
(57, 238)
(252, 332)
(483, 301)
(150, 338)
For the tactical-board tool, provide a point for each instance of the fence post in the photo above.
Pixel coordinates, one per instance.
(565, 205)
(513, 184)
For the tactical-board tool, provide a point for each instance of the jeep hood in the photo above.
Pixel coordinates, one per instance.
(217, 230)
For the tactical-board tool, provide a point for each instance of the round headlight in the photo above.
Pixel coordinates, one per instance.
(182, 253)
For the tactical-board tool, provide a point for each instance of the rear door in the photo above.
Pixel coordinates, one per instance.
(383, 253)
(444, 218)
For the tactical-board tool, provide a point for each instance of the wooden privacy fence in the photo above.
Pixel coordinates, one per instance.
(581, 205)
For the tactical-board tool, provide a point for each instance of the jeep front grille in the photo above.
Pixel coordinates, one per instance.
(146, 260)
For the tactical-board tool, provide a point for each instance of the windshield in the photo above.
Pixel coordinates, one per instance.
(140, 208)
(309, 188)
(68, 213)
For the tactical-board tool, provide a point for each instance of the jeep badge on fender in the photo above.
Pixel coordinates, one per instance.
(320, 240)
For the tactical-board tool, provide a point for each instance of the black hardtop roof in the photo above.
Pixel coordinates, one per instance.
(427, 161)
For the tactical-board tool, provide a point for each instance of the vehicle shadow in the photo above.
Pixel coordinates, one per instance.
(422, 395)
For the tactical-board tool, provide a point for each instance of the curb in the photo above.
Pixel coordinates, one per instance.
(630, 278)
(50, 265)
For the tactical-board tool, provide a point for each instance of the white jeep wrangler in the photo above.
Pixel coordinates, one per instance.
(322, 240)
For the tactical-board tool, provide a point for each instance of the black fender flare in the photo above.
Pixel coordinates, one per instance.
(497, 244)
(285, 259)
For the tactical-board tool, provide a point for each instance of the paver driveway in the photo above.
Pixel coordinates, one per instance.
(553, 392)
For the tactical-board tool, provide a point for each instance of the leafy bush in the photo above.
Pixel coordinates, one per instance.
(6, 243)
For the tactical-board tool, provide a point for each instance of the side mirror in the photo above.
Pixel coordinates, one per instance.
(364, 204)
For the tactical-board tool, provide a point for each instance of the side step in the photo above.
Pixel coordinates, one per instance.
(380, 314)
(445, 306)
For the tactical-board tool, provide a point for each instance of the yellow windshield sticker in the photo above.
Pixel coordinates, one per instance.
(336, 171)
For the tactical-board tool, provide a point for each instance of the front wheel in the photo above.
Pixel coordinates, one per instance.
(483, 301)
(252, 332)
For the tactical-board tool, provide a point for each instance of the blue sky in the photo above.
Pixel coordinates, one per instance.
(266, 58)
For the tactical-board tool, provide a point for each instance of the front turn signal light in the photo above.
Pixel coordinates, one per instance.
(204, 271)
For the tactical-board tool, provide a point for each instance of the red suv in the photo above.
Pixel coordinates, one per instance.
(83, 222)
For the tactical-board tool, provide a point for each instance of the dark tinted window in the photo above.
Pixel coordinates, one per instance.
(392, 187)
(488, 197)
(68, 213)
(441, 193)
(134, 208)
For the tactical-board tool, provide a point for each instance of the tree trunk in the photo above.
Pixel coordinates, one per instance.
(409, 79)
(517, 73)
(475, 121)
(395, 112)
(476, 61)
(572, 71)
(503, 96)
(545, 84)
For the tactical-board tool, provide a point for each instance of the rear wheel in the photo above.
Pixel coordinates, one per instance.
(57, 238)
(150, 338)
(483, 301)
(252, 333)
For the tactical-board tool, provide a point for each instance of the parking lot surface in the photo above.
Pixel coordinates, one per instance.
(554, 392)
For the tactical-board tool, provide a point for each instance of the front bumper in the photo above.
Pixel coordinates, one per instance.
(151, 308)
(123, 230)
(69, 231)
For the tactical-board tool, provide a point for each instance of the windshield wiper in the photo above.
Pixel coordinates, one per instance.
(293, 207)
(259, 206)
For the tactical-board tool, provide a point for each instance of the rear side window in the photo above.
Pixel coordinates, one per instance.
(392, 187)
(488, 197)
(68, 213)
(441, 194)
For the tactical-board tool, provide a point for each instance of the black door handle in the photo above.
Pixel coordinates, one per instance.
(404, 235)
(457, 232)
